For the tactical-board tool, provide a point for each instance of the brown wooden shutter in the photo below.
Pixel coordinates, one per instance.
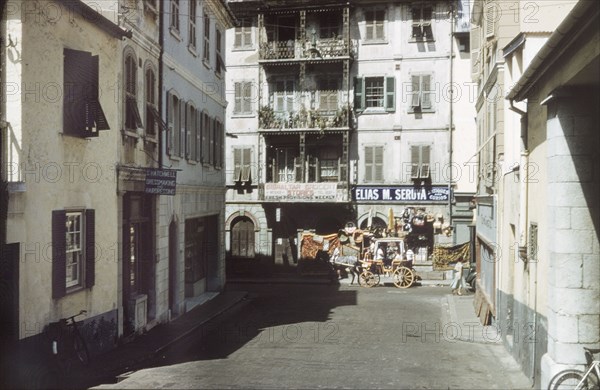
(77, 77)
(90, 248)
(59, 254)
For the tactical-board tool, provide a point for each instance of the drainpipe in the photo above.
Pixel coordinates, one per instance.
(451, 112)
(161, 38)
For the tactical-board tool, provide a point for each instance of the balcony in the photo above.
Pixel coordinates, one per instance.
(321, 49)
(314, 119)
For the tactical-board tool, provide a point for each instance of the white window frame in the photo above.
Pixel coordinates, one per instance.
(380, 99)
(206, 49)
(373, 24)
(245, 34)
(75, 248)
(174, 20)
(287, 95)
(193, 11)
(422, 24)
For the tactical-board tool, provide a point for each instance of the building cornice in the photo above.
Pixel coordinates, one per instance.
(584, 14)
(99, 20)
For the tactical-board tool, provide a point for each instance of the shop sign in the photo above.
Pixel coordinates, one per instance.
(300, 191)
(413, 194)
(486, 221)
(161, 181)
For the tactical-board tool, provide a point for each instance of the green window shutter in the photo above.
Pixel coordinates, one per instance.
(368, 163)
(359, 94)
(426, 91)
(390, 94)
(378, 163)
(59, 254)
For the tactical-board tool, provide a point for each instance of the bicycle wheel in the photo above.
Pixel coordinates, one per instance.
(80, 348)
(570, 379)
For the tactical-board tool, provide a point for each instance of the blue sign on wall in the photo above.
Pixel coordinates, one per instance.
(412, 194)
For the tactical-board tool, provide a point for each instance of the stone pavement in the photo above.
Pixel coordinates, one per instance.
(462, 324)
(105, 368)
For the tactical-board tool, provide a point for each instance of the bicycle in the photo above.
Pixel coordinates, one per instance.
(573, 379)
(66, 341)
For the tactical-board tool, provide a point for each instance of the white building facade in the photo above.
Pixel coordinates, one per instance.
(341, 113)
(190, 222)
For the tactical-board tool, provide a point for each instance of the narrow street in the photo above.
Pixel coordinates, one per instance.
(320, 336)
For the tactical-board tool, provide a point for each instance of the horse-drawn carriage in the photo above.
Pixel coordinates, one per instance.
(373, 259)
(367, 258)
(387, 258)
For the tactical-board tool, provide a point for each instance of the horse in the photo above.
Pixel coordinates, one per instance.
(349, 264)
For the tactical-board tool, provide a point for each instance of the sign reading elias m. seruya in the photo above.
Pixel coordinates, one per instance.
(401, 194)
(300, 191)
(161, 181)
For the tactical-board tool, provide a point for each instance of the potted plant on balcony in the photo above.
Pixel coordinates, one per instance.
(266, 117)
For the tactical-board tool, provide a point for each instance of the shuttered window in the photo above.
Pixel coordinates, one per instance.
(82, 113)
(242, 163)
(205, 158)
(375, 92)
(175, 14)
(374, 25)
(152, 116)
(206, 52)
(243, 98)
(243, 35)
(192, 24)
(133, 120)
(373, 163)
(421, 22)
(73, 251)
(174, 119)
(422, 93)
(420, 161)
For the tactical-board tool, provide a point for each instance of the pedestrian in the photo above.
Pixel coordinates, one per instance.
(458, 283)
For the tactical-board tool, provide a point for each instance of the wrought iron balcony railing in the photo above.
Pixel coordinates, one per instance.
(322, 48)
(304, 119)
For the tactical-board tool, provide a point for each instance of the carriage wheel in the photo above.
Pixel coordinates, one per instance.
(368, 279)
(403, 277)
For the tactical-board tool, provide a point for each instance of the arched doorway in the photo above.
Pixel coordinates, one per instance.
(242, 238)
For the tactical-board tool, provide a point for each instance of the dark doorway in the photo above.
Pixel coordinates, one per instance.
(173, 268)
(138, 261)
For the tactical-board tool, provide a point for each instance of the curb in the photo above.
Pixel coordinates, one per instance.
(243, 296)
(453, 317)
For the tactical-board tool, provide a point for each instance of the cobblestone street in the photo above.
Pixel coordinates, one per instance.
(308, 336)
